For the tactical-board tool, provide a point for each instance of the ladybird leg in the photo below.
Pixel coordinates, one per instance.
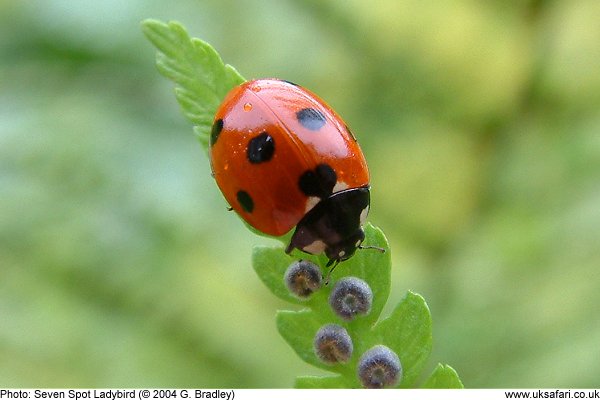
(331, 263)
(290, 247)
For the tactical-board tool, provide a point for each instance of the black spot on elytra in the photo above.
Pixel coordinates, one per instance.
(245, 201)
(319, 182)
(260, 148)
(216, 131)
(311, 118)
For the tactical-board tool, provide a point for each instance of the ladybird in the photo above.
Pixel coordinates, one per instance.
(282, 159)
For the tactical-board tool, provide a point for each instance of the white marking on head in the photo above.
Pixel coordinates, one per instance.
(341, 254)
(363, 215)
(316, 247)
(310, 203)
(339, 186)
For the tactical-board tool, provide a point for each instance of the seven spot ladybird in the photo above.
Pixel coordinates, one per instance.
(284, 159)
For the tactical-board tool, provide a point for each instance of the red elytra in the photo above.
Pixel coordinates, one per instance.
(283, 159)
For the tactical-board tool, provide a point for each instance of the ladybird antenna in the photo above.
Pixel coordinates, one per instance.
(379, 249)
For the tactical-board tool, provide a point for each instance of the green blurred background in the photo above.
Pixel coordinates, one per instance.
(119, 265)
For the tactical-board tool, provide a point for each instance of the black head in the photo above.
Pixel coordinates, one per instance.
(334, 225)
(344, 249)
